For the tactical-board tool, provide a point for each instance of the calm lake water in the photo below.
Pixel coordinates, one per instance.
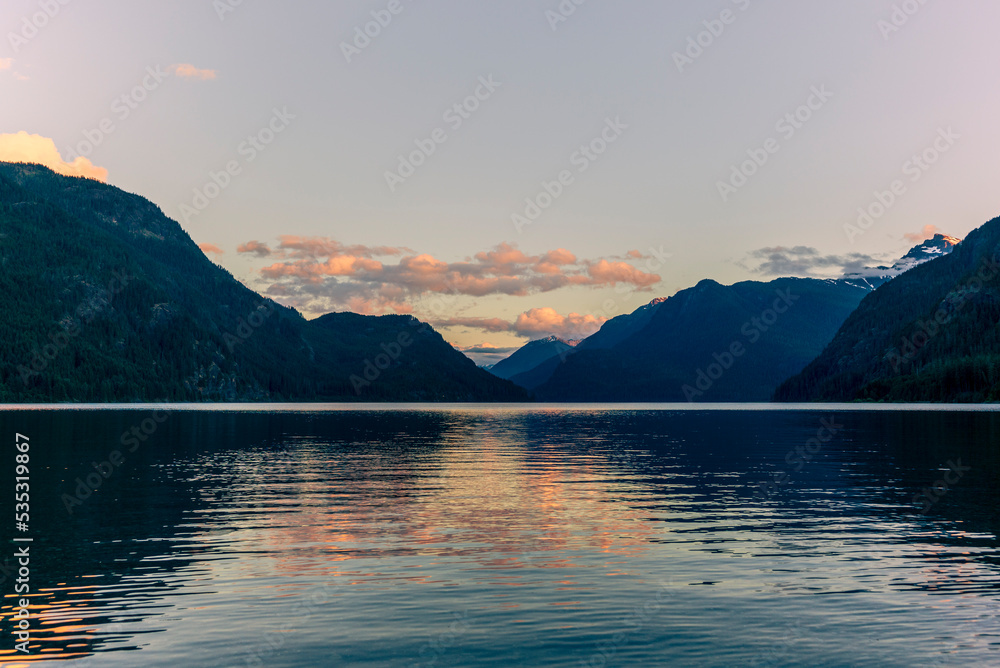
(510, 536)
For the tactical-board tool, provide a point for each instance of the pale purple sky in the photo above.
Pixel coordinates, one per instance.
(883, 86)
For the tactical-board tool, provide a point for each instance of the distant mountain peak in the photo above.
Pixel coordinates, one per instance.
(939, 244)
(928, 336)
(935, 247)
(553, 338)
(533, 354)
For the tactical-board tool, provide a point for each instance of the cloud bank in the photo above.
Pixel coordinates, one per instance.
(22, 147)
(534, 324)
(318, 274)
(806, 262)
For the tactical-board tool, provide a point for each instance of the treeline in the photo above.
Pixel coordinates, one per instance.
(931, 334)
(105, 299)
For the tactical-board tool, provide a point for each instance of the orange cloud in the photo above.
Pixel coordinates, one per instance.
(552, 262)
(340, 265)
(503, 255)
(547, 321)
(210, 248)
(6, 63)
(22, 147)
(321, 274)
(612, 273)
(189, 71)
(536, 323)
(560, 256)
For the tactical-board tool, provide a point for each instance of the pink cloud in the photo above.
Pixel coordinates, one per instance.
(210, 248)
(504, 255)
(339, 265)
(536, 323)
(546, 321)
(189, 71)
(923, 235)
(327, 274)
(612, 273)
(560, 256)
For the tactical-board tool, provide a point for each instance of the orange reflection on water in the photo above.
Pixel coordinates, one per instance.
(53, 633)
(484, 502)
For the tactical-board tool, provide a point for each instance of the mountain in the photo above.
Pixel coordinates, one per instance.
(931, 249)
(713, 342)
(613, 332)
(619, 328)
(531, 355)
(105, 299)
(930, 335)
(710, 343)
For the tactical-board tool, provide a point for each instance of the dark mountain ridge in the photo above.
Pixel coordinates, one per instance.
(103, 298)
(714, 342)
(710, 343)
(933, 334)
(531, 355)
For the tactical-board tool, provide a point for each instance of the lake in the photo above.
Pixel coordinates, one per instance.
(508, 535)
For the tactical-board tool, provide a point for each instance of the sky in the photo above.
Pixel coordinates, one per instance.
(510, 170)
